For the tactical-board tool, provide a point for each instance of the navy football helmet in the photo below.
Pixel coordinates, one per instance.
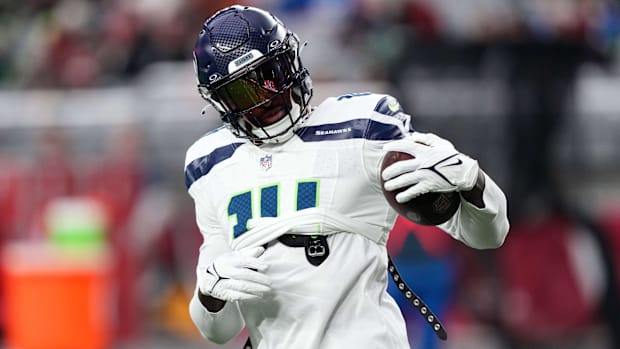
(248, 68)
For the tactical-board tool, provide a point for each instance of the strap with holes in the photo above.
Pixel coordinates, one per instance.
(417, 302)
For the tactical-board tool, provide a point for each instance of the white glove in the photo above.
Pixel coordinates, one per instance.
(437, 167)
(237, 275)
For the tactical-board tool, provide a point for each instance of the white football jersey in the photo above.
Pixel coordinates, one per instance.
(325, 181)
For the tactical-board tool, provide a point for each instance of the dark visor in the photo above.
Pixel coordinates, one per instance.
(257, 86)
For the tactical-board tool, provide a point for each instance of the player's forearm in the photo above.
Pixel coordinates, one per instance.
(485, 227)
(216, 326)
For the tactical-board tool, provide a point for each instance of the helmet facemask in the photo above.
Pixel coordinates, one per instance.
(267, 100)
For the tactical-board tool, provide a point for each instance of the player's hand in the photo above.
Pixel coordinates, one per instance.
(437, 167)
(234, 276)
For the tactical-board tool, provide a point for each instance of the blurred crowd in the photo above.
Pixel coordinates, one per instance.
(397, 32)
(81, 43)
(554, 284)
(77, 43)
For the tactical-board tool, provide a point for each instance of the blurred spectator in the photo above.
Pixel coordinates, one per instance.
(117, 176)
(377, 29)
(119, 29)
(117, 179)
(50, 175)
(13, 202)
(162, 36)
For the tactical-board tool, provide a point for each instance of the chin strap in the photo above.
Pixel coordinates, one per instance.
(412, 297)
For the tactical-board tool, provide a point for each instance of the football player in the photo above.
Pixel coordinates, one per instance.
(289, 201)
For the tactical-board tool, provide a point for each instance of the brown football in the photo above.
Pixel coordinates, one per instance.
(426, 209)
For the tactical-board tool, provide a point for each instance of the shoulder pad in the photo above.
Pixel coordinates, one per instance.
(211, 149)
(360, 115)
(346, 107)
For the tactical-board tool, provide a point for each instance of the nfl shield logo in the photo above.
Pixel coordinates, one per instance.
(265, 162)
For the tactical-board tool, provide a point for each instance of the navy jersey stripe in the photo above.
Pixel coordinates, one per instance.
(357, 128)
(201, 166)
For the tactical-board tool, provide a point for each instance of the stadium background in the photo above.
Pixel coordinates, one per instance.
(98, 104)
